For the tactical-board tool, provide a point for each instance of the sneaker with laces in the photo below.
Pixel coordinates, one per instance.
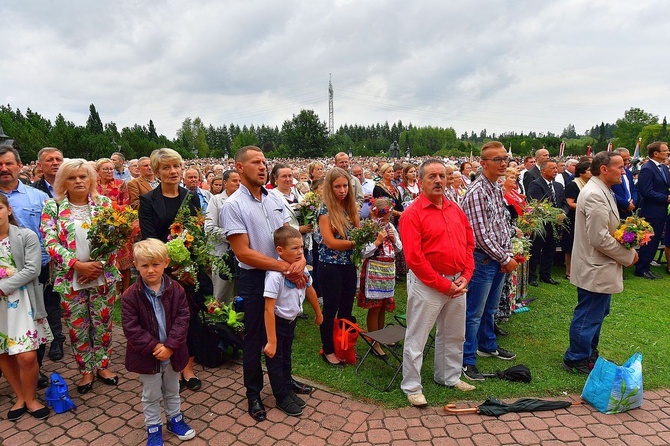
(155, 435)
(178, 426)
(499, 353)
(471, 373)
(289, 407)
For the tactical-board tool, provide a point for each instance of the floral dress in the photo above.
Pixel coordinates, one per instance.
(19, 333)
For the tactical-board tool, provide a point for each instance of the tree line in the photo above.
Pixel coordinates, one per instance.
(306, 135)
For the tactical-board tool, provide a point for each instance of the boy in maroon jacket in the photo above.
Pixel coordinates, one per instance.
(155, 321)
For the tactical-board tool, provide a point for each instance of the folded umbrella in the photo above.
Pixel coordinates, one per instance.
(517, 373)
(495, 407)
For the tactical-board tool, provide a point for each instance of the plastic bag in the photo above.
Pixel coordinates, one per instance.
(345, 335)
(612, 388)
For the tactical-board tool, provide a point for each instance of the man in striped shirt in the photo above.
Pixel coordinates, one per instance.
(484, 206)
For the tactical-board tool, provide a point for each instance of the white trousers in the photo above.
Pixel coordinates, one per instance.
(427, 307)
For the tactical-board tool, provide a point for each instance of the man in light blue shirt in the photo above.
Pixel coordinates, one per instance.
(120, 171)
(26, 203)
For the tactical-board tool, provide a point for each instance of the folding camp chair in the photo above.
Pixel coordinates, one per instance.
(402, 320)
(388, 338)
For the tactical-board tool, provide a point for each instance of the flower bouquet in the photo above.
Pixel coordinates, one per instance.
(222, 313)
(364, 234)
(308, 208)
(110, 229)
(634, 231)
(521, 249)
(190, 248)
(6, 271)
(537, 215)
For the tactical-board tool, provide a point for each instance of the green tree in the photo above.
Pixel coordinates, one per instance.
(306, 135)
(94, 123)
(629, 127)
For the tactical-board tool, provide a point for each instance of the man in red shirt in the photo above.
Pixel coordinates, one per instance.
(439, 245)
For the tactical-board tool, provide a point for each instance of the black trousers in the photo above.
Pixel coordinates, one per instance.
(338, 284)
(279, 367)
(542, 253)
(53, 308)
(648, 251)
(250, 286)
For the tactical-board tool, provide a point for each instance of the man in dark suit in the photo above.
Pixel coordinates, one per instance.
(49, 160)
(625, 193)
(652, 186)
(533, 174)
(544, 247)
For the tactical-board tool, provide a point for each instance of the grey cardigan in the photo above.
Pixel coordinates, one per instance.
(27, 253)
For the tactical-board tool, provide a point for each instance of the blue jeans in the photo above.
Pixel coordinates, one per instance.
(482, 301)
(586, 323)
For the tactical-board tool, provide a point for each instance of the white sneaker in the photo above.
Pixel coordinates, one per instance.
(654, 263)
(463, 386)
(417, 400)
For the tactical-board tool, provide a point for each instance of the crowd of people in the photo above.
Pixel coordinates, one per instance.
(448, 227)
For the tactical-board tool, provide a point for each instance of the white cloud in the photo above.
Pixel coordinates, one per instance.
(499, 65)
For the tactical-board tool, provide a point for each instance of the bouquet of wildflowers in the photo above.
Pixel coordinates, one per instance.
(521, 249)
(634, 231)
(190, 248)
(308, 208)
(364, 234)
(6, 271)
(222, 313)
(537, 215)
(110, 228)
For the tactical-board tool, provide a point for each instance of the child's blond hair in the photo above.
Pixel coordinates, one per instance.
(150, 249)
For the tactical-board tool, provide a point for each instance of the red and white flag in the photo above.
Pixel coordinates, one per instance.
(561, 149)
(637, 148)
(588, 150)
(609, 146)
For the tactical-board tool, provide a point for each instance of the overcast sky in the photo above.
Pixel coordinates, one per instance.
(517, 65)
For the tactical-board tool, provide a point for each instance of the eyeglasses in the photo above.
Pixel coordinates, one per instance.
(498, 159)
(107, 169)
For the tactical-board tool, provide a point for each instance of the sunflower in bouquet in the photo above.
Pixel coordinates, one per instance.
(190, 248)
(634, 231)
(109, 229)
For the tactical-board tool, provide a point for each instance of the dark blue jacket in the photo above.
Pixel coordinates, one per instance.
(653, 191)
(620, 195)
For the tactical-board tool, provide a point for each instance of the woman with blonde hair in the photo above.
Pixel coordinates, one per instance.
(336, 217)
(87, 286)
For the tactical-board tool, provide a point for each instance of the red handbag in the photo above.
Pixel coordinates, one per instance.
(345, 335)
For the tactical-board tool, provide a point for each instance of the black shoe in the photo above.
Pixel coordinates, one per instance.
(56, 351)
(654, 274)
(257, 410)
(85, 388)
(647, 275)
(581, 366)
(40, 414)
(549, 281)
(42, 381)
(113, 381)
(300, 388)
(299, 401)
(499, 331)
(289, 407)
(16, 414)
(471, 373)
(594, 357)
(533, 283)
(192, 383)
(499, 353)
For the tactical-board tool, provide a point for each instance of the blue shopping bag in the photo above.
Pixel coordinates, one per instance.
(612, 388)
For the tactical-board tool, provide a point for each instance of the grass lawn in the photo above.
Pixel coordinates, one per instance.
(639, 321)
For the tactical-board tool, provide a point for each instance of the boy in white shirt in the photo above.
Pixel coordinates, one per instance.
(283, 304)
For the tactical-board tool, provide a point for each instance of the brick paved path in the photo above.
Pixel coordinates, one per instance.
(111, 416)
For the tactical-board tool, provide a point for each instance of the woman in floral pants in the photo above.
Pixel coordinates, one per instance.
(86, 286)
